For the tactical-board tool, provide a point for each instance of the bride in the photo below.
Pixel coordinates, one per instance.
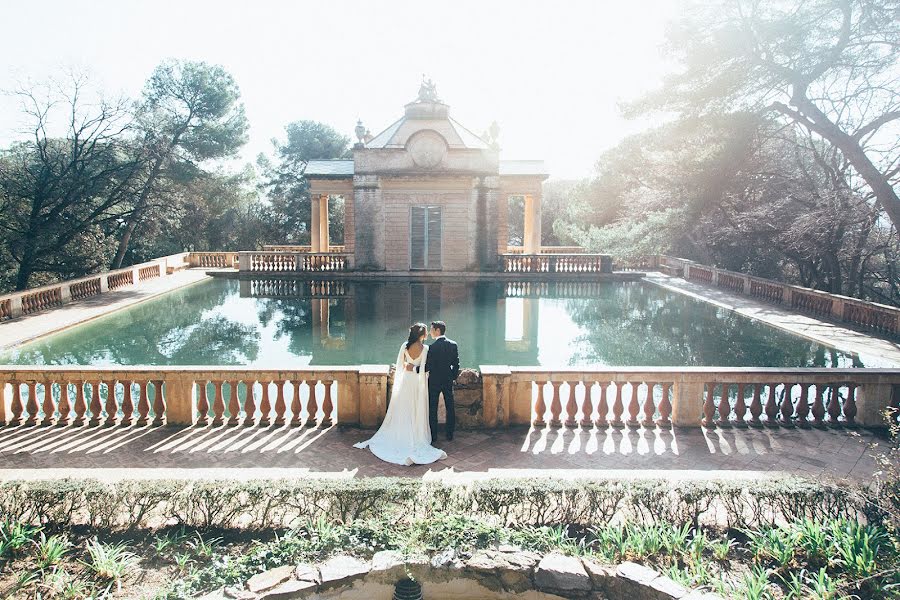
(404, 437)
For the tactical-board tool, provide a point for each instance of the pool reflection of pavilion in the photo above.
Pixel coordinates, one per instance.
(508, 332)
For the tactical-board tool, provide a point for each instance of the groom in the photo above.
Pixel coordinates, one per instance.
(442, 364)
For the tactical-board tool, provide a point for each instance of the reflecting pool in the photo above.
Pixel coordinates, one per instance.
(291, 323)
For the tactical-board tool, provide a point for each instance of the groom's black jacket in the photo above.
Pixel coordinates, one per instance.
(442, 361)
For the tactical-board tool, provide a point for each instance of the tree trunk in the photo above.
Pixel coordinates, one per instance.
(123, 243)
(853, 152)
(138, 212)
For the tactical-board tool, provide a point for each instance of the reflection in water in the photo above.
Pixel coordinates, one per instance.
(291, 323)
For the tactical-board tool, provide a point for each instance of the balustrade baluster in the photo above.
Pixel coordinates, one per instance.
(143, 402)
(834, 405)
(280, 405)
(249, 403)
(265, 407)
(724, 406)
(587, 405)
(112, 404)
(16, 407)
(80, 404)
(203, 402)
(818, 408)
(555, 405)
(65, 406)
(219, 403)
(618, 405)
(540, 408)
(127, 402)
(634, 406)
(312, 406)
(649, 405)
(603, 406)
(665, 406)
(771, 406)
(803, 405)
(756, 406)
(740, 407)
(327, 405)
(787, 406)
(571, 406)
(49, 406)
(709, 408)
(850, 405)
(31, 405)
(159, 403)
(95, 406)
(234, 402)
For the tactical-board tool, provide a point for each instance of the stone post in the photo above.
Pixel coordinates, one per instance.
(687, 405)
(495, 393)
(373, 380)
(315, 227)
(65, 292)
(532, 229)
(872, 399)
(837, 308)
(520, 403)
(243, 261)
(349, 225)
(348, 399)
(180, 404)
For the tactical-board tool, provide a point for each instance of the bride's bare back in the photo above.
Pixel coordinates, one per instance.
(415, 351)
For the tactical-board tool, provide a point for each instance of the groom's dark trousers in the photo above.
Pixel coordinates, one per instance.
(442, 365)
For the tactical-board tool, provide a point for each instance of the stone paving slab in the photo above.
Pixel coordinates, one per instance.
(876, 352)
(252, 453)
(37, 325)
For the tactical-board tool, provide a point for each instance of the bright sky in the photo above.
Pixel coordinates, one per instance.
(550, 72)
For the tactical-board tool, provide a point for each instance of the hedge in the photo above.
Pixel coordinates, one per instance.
(266, 504)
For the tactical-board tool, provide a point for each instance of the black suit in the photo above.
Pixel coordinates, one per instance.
(442, 365)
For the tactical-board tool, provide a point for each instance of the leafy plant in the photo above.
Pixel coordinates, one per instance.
(52, 550)
(821, 586)
(110, 563)
(14, 536)
(756, 585)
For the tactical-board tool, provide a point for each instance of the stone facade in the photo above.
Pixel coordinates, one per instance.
(425, 159)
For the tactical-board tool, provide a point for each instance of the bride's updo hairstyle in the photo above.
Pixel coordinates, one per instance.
(416, 331)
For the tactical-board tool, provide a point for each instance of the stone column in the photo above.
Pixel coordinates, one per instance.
(687, 403)
(495, 395)
(532, 229)
(315, 235)
(872, 399)
(349, 225)
(323, 223)
(179, 395)
(348, 400)
(373, 380)
(368, 219)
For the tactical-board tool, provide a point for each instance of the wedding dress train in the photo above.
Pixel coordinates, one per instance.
(404, 437)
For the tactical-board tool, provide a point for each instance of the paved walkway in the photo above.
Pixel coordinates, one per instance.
(30, 327)
(875, 351)
(251, 453)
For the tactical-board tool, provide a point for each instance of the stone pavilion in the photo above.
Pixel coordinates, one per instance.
(425, 194)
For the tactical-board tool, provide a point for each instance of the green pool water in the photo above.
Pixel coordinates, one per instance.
(292, 323)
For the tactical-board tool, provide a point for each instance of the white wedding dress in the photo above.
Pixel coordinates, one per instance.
(404, 437)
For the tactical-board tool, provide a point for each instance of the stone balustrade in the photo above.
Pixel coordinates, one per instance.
(214, 260)
(37, 395)
(339, 249)
(878, 318)
(292, 262)
(688, 396)
(548, 250)
(555, 263)
(41, 298)
(509, 396)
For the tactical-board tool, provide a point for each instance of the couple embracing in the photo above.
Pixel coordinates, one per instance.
(423, 373)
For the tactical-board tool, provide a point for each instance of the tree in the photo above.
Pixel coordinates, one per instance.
(286, 185)
(58, 194)
(190, 113)
(828, 66)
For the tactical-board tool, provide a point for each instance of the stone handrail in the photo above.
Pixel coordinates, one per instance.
(192, 395)
(555, 263)
(548, 250)
(336, 249)
(688, 396)
(292, 262)
(872, 316)
(37, 299)
(510, 396)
